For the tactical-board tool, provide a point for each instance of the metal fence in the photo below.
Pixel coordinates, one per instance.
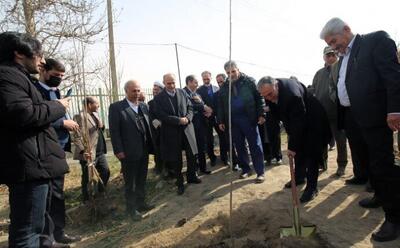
(105, 99)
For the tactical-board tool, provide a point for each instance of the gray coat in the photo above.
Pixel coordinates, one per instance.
(171, 134)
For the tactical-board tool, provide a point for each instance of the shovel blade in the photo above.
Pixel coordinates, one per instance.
(305, 231)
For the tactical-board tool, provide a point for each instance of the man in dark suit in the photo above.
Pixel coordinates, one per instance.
(306, 124)
(200, 111)
(175, 111)
(131, 138)
(208, 93)
(156, 126)
(369, 95)
(50, 78)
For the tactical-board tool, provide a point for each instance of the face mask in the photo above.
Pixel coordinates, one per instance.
(53, 81)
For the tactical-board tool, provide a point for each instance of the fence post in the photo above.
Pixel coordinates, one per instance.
(101, 105)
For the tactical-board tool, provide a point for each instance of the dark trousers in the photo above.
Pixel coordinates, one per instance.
(384, 174)
(176, 166)
(211, 124)
(339, 136)
(159, 163)
(306, 166)
(199, 130)
(265, 139)
(55, 214)
(101, 166)
(358, 147)
(235, 159)
(243, 130)
(27, 210)
(135, 175)
(274, 135)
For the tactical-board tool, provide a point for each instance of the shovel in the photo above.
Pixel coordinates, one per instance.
(297, 229)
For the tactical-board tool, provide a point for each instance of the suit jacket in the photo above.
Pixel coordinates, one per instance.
(304, 118)
(94, 132)
(126, 134)
(198, 109)
(211, 102)
(171, 131)
(373, 79)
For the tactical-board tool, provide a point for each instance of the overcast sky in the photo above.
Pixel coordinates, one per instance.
(276, 38)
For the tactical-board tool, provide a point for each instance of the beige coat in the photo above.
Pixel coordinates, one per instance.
(93, 134)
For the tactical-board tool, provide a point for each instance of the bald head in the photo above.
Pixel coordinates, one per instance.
(132, 91)
(169, 82)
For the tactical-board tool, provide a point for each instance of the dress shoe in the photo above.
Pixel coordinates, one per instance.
(370, 202)
(205, 172)
(288, 185)
(195, 180)
(145, 207)
(136, 216)
(308, 195)
(67, 239)
(181, 190)
(340, 171)
(356, 181)
(387, 232)
(59, 245)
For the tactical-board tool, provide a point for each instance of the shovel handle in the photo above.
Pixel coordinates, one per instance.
(295, 198)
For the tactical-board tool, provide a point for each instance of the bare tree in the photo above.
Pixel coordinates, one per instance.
(54, 22)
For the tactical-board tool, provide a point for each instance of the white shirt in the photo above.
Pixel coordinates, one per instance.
(342, 91)
(134, 106)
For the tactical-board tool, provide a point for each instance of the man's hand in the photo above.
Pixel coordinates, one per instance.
(291, 154)
(261, 120)
(207, 111)
(71, 125)
(221, 127)
(64, 101)
(266, 109)
(120, 155)
(87, 156)
(197, 99)
(393, 121)
(183, 121)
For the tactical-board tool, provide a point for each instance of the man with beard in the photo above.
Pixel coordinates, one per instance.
(247, 111)
(30, 155)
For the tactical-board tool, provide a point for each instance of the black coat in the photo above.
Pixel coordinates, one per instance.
(304, 118)
(29, 148)
(171, 131)
(126, 135)
(372, 79)
(62, 133)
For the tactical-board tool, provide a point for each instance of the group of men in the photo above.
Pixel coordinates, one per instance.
(36, 133)
(358, 94)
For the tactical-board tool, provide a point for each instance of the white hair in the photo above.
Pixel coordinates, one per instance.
(332, 27)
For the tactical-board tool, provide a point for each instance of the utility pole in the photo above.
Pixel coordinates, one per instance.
(177, 62)
(113, 70)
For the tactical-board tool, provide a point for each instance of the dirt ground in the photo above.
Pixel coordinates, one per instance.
(259, 210)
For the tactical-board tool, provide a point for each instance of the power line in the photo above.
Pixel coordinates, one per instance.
(212, 55)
